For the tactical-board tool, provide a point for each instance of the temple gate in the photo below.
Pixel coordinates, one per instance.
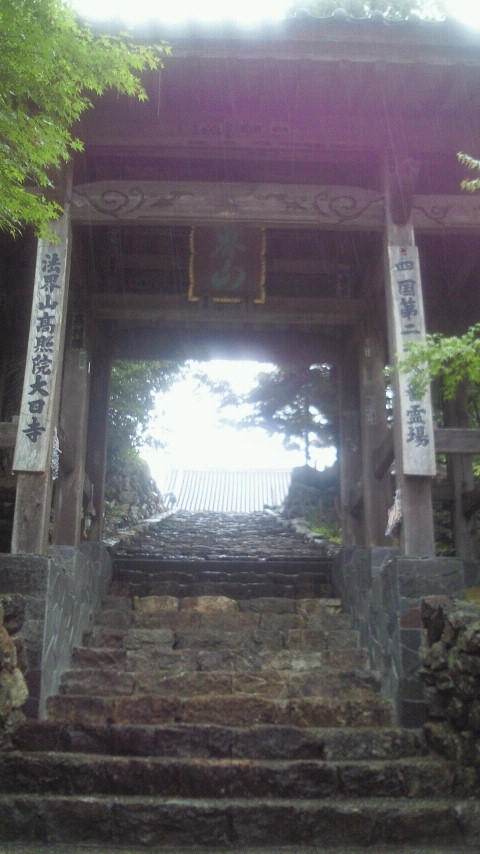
(291, 194)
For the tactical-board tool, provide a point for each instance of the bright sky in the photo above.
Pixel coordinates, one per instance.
(189, 421)
(135, 11)
(243, 12)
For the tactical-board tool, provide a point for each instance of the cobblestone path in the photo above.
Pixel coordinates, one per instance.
(223, 536)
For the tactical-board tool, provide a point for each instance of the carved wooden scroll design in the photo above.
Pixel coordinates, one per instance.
(202, 202)
(263, 204)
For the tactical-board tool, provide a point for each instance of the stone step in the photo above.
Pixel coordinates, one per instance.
(361, 708)
(168, 777)
(211, 638)
(233, 589)
(264, 605)
(228, 567)
(149, 657)
(189, 823)
(233, 619)
(381, 848)
(206, 740)
(277, 684)
(246, 576)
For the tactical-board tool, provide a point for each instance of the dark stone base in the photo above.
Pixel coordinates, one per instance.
(61, 591)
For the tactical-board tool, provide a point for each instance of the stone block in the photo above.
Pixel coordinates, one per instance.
(24, 574)
(99, 683)
(412, 689)
(412, 713)
(418, 577)
(115, 619)
(97, 658)
(209, 604)
(136, 638)
(410, 640)
(411, 617)
(19, 689)
(382, 557)
(155, 604)
(32, 632)
(153, 658)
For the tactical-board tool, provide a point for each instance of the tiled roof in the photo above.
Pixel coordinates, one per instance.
(227, 491)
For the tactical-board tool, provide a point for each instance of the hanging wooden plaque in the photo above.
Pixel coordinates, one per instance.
(227, 263)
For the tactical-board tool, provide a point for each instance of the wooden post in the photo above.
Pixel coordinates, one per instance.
(377, 492)
(68, 498)
(97, 436)
(460, 471)
(41, 392)
(413, 423)
(350, 446)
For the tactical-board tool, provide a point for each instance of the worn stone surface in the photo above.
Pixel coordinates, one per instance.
(186, 823)
(198, 720)
(217, 778)
(55, 597)
(74, 848)
(155, 604)
(254, 536)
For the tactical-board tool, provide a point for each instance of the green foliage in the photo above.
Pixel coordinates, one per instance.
(470, 184)
(450, 359)
(331, 532)
(132, 398)
(50, 67)
(396, 10)
(295, 401)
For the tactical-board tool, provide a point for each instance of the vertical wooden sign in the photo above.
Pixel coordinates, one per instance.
(44, 360)
(413, 412)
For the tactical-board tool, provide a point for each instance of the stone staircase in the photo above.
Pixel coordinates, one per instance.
(226, 705)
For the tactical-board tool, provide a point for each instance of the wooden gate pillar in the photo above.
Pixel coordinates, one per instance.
(349, 451)
(377, 487)
(36, 437)
(97, 436)
(460, 473)
(70, 485)
(412, 415)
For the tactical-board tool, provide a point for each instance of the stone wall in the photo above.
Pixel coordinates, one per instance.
(383, 593)
(451, 672)
(314, 496)
(13, 688)
(131, 495)
(61, 592)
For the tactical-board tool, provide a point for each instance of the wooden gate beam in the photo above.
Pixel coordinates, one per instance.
(267, 205)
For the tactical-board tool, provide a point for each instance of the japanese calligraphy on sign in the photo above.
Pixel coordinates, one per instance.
(227, 264)
(414, 411)
(33, 435)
